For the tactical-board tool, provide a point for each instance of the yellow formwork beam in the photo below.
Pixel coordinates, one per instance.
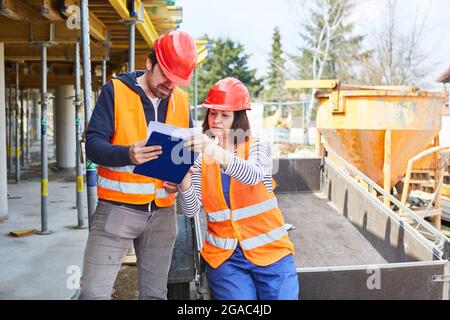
(312, 84)
(146, 28)
(202, 51)
(9, 10)
(50, 10)
(19, 33)
(97, 28)
(175, 11)
(123, 45)
(202, 57)
(18, 11)
(121, 7)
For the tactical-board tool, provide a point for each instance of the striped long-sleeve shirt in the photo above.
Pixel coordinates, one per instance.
(257, 168)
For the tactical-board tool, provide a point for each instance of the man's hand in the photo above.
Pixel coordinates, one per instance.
(139, 153)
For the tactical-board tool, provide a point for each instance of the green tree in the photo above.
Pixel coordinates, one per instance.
(276, 78)
(331, 50)
(227, 58)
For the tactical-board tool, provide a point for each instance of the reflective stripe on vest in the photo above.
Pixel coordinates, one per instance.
(254, 210)
(243, 213)
(161, 193)
(128, 169)
(263, 239)
(125, 187)
(228, 244)
(247, 244)
(219, 216)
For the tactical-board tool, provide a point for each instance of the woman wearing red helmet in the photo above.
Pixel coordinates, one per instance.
(247, 250)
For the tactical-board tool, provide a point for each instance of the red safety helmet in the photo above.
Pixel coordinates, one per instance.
(177, 56)
(228, 94)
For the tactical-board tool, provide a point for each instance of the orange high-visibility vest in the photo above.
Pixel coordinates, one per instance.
(253, 219)
(130, 126)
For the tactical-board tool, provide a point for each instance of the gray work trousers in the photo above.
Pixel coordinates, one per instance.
(113, 229)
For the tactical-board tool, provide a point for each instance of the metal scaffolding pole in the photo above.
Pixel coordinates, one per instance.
(78, 137)
(131, 23)
(28, 138)
(9, 131)
(17, 127)
(195, 95)
(131, 67)
(91, 172)
(104, 71)
(131, 49)
(44, 144)
(37, 117)
(22, 130)
(33, 117)
(106, 51)
(3, 172)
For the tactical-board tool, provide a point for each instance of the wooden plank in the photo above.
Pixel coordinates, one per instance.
(22, 233)
(438, 180)
(50, 10)
(311, 84)
(19, 11)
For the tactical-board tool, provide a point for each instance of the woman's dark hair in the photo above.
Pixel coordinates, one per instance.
(240, 125)
(152, 57)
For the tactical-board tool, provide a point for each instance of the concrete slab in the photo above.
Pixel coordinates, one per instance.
(36, 266)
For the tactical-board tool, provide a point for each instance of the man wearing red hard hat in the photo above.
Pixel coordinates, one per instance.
(133, 209)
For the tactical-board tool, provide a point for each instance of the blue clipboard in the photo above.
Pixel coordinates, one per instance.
(175, 160)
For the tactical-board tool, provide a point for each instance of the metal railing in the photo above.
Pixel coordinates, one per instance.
(439, 245)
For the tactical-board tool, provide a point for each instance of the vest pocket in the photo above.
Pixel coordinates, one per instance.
(125, 223)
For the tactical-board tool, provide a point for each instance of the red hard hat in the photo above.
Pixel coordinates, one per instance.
(228, 94)
(177, 56)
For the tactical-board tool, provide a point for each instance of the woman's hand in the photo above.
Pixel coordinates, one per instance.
(201, 143)
(186, 183)
(210, 150)
(139, 153)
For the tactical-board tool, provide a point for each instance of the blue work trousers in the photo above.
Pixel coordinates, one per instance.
(239, 279)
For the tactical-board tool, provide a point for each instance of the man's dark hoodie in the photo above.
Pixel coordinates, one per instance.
(101, 126)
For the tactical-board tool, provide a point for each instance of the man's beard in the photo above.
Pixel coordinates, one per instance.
(162, 92)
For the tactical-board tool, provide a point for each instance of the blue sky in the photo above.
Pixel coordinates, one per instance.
(252, 22)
